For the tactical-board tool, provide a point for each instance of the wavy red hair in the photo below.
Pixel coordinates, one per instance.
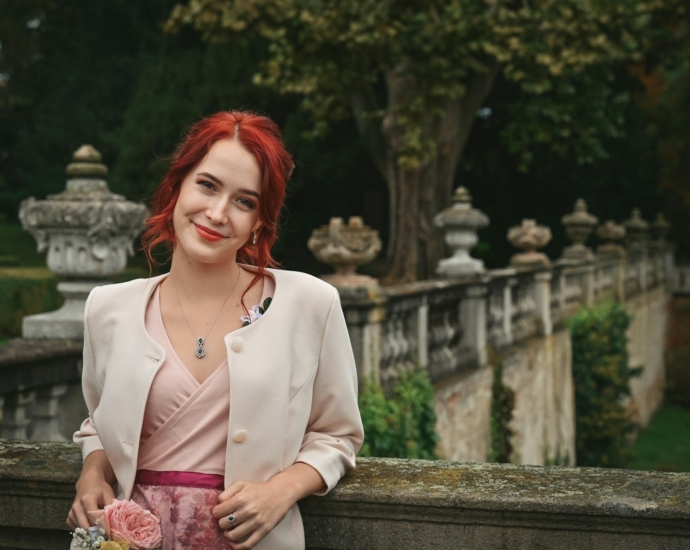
(261, 137)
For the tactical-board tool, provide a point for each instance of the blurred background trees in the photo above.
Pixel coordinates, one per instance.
(528, 109)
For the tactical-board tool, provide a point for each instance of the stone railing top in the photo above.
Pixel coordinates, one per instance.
(519, 488)
(21, 351)
(26, 364)
(437, 484)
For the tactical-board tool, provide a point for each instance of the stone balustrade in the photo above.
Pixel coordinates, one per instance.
(40, 388)
(400, 504)
(446, 325)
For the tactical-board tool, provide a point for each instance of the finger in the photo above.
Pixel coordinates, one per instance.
(240, 533)
(107, 497)
(225, 523)
(251, 542)
(82, 519)
(231, 491)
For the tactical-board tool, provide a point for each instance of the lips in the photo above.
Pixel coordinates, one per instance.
(209, 234)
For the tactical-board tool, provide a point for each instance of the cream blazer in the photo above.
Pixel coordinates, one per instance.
(293, 387)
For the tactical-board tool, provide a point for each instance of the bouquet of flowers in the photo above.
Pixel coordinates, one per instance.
(121, 525)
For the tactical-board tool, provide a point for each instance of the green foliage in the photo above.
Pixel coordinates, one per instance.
(602, 383)
(29, 290)
(402, 425)
(327, 51)
(25, 291)
(502, 405)
(664, 445)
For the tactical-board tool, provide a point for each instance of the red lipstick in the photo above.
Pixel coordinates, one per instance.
(208, 234)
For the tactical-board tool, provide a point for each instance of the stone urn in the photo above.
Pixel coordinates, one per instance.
(344, 248)
(529, 237)
(660, 227)
(611, 236)
(87, 232)
(461, 223)
(579, 225)
(637, 229)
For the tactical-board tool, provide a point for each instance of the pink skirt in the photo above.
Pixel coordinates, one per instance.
(183, 502)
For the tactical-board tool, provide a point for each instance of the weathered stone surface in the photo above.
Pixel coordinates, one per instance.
(463, 405)
(540, 374)
(28, 363)
(400, 504)
(646, 340)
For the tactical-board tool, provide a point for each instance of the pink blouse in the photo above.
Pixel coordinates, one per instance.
(185, 424)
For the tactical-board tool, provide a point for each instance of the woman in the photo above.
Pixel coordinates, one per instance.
(221, 393)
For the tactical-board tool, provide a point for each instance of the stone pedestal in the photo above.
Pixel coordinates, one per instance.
(66, 322)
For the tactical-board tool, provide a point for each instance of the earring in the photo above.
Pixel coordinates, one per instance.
(254, 239)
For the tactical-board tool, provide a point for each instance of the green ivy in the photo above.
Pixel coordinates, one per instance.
(402, 424)
(502, 405)
(602, 382)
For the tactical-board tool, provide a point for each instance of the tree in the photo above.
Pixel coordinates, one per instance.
(414, 75)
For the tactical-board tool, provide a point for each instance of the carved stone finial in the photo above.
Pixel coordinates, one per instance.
(461, 223)
(462, 195)
(611, 234)
(660, 227)
(86, 164)
(636, 228)
(344, 247)
(529, 237)
(88, 233)
(578, 225)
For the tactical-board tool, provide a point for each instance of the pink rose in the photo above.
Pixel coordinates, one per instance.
(126, 521)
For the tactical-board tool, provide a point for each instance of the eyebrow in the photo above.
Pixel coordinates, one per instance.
(216, 180)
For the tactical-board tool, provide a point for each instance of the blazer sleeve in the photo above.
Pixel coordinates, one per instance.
(87, 437)
(334, 432)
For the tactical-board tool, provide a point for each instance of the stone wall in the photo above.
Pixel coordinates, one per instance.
(406, 504)
(646, 349)
(538, 371)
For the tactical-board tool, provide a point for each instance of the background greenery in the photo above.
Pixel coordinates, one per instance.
(603, 423)
(402, 422)
(78, 71)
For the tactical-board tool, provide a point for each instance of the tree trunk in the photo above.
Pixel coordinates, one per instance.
(418, 194)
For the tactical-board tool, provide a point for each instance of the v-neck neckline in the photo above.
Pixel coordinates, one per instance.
(172, 354)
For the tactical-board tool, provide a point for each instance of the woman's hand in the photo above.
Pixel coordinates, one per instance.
(94, 490)
(259, 507)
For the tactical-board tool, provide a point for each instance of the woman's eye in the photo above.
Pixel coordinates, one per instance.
(207, 185)
(246, 202)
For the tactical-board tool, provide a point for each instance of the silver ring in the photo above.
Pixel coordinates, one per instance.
(231, 519)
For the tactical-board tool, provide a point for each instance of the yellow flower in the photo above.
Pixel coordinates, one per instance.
(112, 545)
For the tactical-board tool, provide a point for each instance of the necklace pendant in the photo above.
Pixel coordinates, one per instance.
(200, 351)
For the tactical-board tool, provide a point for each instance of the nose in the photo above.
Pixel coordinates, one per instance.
(217, 212)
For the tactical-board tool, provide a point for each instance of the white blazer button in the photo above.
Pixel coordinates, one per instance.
(237, 344)
(240, 436)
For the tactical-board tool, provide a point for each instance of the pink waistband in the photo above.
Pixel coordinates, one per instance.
(180, 479)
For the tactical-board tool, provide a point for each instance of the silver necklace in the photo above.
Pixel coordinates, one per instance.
(200, 350)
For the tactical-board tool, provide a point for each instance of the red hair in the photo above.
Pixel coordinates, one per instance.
(261, 137)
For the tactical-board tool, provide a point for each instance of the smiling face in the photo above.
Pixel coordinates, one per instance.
(218, 206)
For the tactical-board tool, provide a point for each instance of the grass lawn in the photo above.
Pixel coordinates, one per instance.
(665, 444)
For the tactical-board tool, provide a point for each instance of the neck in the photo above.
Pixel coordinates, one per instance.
(200, 280)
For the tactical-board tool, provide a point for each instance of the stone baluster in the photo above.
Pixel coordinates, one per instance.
(461, 223)
(579, 224)
(16, 415)
(588, 282)
(473, 320)
(46, 413)
(542, 298)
